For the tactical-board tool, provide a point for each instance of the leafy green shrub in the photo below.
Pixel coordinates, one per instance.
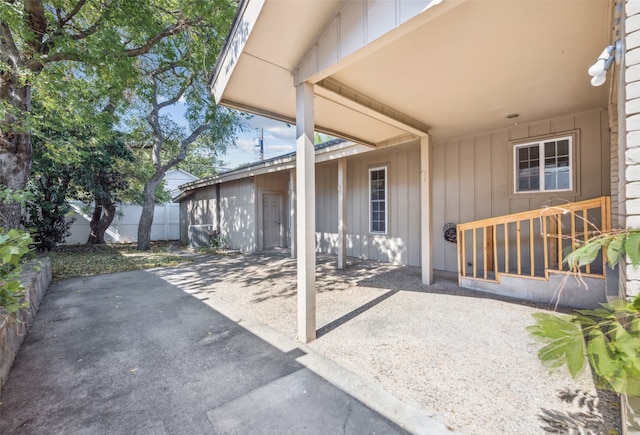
(14, 244)
(47, 213)
(607, 337)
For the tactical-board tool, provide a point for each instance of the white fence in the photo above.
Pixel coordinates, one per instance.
(166, 224)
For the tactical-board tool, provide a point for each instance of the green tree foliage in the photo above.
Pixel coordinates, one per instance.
(607, 337)
(77, 155)
(110, 42)
(14, 245)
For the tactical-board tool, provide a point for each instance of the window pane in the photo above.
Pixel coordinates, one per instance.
(549, 149)
(534, 153)
(523, 154)
(563, 148)
(563, 162)
(563, 180)
(523, 184)
(550, 181)
(534, 183)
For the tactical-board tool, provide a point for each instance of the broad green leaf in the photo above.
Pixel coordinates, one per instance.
(575, 353)
(599, 355)
(552, 326)
(632, 247)
(615, 249)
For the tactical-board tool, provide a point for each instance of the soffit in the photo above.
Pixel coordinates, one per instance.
(460, 73)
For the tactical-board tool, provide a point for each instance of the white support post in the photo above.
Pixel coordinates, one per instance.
(342, 213)
(425, 211)
(292, 212)
(306, 213)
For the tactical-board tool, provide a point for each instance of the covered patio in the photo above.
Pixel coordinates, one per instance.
(386, 73)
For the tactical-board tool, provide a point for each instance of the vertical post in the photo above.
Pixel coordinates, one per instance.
(489, 248)
(261, 143)
(425, 211)
(342, 213)
(292, 212)
(306, 213)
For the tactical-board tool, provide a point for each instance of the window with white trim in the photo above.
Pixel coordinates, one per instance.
(544, 166)
(378, 200)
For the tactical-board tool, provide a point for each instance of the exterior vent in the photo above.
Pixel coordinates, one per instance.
(199, 235)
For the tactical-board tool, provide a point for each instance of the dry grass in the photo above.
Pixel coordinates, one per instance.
(87, 260)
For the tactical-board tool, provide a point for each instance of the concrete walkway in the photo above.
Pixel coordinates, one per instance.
(131, 353)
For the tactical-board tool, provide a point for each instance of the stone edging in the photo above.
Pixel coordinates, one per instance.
(36, 276)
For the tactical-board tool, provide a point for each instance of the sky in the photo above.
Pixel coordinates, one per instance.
(279, 138)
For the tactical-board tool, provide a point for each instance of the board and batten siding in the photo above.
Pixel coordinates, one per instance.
(472, 176)
(401, 244)
(200, 208)
(237, 213)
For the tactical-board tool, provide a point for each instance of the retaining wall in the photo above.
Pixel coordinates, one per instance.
(36, 276)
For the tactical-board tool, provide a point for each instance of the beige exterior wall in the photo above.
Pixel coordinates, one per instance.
(237, 213)
(401, 244)
(240, 210)
(200, 208)
(473, 175)
(471, 179)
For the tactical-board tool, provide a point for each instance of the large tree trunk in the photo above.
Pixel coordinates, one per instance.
(15, 146)
(103, 215)
(148, 207)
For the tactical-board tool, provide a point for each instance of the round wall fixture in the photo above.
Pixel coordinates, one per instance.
(450, 232)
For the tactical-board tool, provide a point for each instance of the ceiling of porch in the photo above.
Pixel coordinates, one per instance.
(461, 72)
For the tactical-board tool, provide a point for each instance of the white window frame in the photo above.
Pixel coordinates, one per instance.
(386, 200)
(540, 144)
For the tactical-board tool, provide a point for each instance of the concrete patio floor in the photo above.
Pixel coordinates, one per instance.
(459, 355)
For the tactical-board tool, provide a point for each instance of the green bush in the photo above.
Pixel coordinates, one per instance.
(14, 244)
(607, 337)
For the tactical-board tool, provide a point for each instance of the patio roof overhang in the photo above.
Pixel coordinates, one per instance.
(450, 68)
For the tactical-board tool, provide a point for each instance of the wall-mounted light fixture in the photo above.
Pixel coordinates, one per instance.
(598, 71)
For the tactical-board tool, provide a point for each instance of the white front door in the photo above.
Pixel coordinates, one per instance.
(272, 222)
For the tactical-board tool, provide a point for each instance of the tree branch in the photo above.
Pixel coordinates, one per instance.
(72, 14)
(184, 146)
(177, 96)
(179, 27)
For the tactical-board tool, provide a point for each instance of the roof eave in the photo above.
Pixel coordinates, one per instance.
(241, 28)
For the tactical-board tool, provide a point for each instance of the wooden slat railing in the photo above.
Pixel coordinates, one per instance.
(533, 243)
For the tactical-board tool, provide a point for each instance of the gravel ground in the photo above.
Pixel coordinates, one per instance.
(459, 355)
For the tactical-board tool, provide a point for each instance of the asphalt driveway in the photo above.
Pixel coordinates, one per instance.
(131, 353)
